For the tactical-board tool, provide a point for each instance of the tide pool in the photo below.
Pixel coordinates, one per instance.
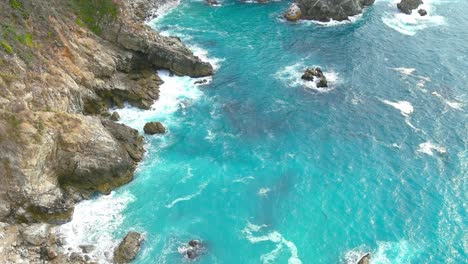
(265, 168)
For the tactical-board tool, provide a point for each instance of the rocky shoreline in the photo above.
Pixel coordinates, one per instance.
(63, 65)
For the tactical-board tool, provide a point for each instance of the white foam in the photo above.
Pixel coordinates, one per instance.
(429, 147)
(162, 10)
(411, 24)
(188, 197)
(94, 222)
(405, 71)
(401, 252)
(263, 191)
(244, 179)
(405, 107)
(175, 93)
(333, 23)
(291, 76)
(274, 237)
(452, 104)
(204, 56)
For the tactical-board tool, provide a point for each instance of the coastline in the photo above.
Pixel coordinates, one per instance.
(131, 51)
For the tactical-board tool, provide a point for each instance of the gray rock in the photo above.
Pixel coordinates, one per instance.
(293, 13)
(422, 12)
(36, 234)
(152, 128)
(115, 116)
(407, 6)
(364, 259)
(325, 10)
(128, 248)
(87, 248)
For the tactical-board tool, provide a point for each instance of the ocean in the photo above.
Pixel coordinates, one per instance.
(266, 168)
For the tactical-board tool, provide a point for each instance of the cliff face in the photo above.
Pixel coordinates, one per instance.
(62, 64)
(324, 10)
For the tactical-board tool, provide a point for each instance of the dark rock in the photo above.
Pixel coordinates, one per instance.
(325, 10)
(311, 73)
(115, 116)
(195, 243)
(74, 256)
(191, 254)
(422, 12)
(152, 128)
(212, 2)
(322, 83)
(293, 13)
(407, 6)
(364, 259)
(128, 248)
(201, 81)
(87, 248)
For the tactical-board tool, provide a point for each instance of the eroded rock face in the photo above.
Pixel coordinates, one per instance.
(128, 248)
(407, 6)
(325, 10)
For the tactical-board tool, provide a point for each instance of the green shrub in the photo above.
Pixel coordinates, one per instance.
(93, 12)
(8, 49)
(16, 4)
(26, 39)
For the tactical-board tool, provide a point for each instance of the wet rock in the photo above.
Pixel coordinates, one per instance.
(36, 234)
(199, 82)
(212, 2)
(193, 250)
(407, 6)
(293, 13)
(87, 248)
(322, 83)
(422, 12)
(325, 10)
(128, 248)
(311, 74)
(364, 259)
(152, 128)
(115, 116)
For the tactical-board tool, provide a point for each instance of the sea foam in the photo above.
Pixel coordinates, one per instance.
(401, 252)
(411, 24)
(274, 237)
(429, 148)
(405, 107)
(291, 77)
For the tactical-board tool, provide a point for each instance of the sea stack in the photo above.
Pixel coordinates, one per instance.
(325, 10)
(407, 6)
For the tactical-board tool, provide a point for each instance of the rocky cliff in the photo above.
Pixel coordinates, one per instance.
(325, 10)
(62, 65)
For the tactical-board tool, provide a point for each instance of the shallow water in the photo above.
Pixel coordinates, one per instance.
(265, 168)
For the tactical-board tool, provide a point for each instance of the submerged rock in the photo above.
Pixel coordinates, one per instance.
(293, 13)
(152, 128)
(194, 249)
(422, 12)
(325, 10)
(128, 248)
(364, 259)
(407, 6)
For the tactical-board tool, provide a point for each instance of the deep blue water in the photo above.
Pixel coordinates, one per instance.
(266, 169)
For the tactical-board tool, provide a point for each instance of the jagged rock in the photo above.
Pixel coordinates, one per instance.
(311, 73)
(152, 128)
(128, 248)
(293, 13)
(115, 116)
(193, 250)
(325, 10)
(199, 82)
(364, 259)
(212, 2)
(322, 83)
(422, 12)
(87, 248)
(36, 234)
(407, 6)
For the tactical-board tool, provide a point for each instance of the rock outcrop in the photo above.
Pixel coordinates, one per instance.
(407, 6)
(422, 12)
(325, 10)
(128, 248)
(315, 75)
(153, 128)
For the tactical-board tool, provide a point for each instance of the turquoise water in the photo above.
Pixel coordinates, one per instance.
(267, 169)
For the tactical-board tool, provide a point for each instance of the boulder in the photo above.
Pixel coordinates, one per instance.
(364, 259)
(407, 6)
(115, 116)
(325, 10)
(128, 248)
(194, 249)
(293, 13)
(311, 73)
(87, 248)
(36, 234)
(422, 12)
(322, 83)
(152, 128)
